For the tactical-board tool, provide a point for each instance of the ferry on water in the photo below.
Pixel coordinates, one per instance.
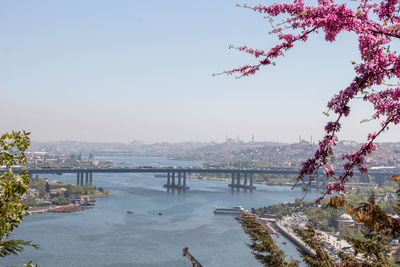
(233, 210)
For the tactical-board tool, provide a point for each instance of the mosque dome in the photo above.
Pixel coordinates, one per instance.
(345, 218)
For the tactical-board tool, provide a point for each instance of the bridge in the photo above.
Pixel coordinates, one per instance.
(176, 176)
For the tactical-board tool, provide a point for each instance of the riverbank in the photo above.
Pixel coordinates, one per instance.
(110, 236)
(59, 208)
(228, 179)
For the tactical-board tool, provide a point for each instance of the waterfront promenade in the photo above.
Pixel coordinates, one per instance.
(333, 244)
(285, 229)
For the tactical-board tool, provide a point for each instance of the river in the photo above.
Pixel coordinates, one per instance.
(107, 236)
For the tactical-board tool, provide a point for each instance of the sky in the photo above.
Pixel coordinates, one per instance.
(124, 70)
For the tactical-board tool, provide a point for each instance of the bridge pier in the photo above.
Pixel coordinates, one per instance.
(245, 186)
(238, 180)
(87, 178)
(171, 182)
(236, 184)
(184, 182)
(173, 179)
(81, 178)
(77, 178)
(251, 187)
(90, 178)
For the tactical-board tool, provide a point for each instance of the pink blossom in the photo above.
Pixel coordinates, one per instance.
(376, 24)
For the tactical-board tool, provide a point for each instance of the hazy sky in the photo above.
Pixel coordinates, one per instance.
(98, 70)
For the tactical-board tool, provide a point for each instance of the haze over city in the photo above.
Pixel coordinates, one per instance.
(117, 71)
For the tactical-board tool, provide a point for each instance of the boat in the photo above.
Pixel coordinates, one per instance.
(233, 210)
(160, 213)
(129, 212)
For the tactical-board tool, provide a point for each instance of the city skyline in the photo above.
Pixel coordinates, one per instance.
(113, 72)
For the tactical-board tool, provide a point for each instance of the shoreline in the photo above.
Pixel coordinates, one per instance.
(59, 208)
(229, 179)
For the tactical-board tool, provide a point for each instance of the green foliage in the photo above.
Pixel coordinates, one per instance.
(282, 209)
(87, 189)
(372, 244)
(31, 202)
(263, 246)
(374, 247)
(13, 246)
(320, 257)
(12, 187)
(61, 200)
(41, 186)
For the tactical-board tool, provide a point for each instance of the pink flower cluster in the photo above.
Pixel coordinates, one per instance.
(377, 24)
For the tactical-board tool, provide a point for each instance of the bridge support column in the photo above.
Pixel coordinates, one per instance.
(77, 178)
(245, 181)
(87, 178)
(238, 180)
(171, 182)
(168, 184)
(81, 178)
(91, 178)
(251, 187)
(184, 181)
(236, 184)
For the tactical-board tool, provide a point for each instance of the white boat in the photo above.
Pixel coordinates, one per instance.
(233, 210)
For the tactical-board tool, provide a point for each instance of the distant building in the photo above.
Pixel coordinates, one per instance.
(346, 221)
(57, 191)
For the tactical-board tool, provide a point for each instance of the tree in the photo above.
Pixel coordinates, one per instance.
(320, 257)
(263, 246)
(377, 25)
(47, 187)
(41, 186)
(12, 187)
(60, 200)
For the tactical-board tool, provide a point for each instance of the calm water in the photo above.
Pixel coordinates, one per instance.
(107, 236)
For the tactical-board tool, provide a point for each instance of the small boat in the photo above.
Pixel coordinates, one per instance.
(283, 242)
(233, 210)
(160, 213)
(129, 212)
